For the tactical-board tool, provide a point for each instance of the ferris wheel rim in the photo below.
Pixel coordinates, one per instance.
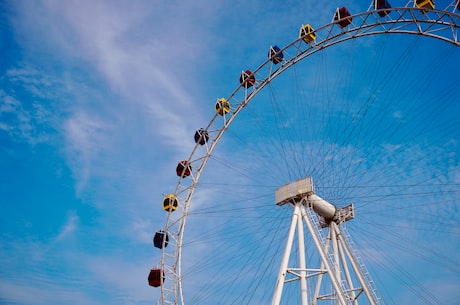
(387, 26)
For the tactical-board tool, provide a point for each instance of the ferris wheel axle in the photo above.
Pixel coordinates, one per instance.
(303, 190)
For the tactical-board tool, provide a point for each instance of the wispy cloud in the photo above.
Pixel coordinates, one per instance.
(27, 293)
(86, 138)
(20, 123)
(123, 85)
(138, 53)
(69, 227)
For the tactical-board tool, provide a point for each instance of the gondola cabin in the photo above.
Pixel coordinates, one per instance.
(201, 136)
(183, 169)
(170, 203)
(156, 277)
(275, 55)
(381, 6)
(247, 79)
(161, 238)
(425, 4)
(342, 16)
(307, 33)
(222, 106)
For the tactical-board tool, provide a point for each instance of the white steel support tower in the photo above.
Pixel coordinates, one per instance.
(340, 277)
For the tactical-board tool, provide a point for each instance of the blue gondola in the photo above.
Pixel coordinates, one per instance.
(275, 55)
(382, 6)
(160, 238)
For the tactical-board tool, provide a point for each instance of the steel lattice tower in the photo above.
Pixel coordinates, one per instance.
(338, 259)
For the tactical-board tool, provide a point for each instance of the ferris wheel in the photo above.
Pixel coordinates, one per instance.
(366, 156)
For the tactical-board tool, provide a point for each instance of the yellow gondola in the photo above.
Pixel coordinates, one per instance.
(222, 106)
(307, 33)
(170, 203)
(428, 4)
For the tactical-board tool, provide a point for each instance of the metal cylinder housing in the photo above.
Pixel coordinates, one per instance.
(321, 206)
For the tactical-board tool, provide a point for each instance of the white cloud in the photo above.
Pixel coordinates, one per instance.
(140, 51)
(69, 227)
(143, 55)
(86, 138)
(19, 122)
(128, 278)
(398, 115)
(42, 294)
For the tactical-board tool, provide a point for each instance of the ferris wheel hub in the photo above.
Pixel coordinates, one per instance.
(302, 190)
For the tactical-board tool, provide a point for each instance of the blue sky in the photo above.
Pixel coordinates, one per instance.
(100, 99)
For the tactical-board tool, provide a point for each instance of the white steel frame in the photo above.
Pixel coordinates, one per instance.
(440, 24)
(336, 255)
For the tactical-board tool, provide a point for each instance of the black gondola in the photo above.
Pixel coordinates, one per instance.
(201, 136)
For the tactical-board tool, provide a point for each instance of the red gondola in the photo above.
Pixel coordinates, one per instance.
(247, 79)
(343, 16)
(183, 169)
(156, 277)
